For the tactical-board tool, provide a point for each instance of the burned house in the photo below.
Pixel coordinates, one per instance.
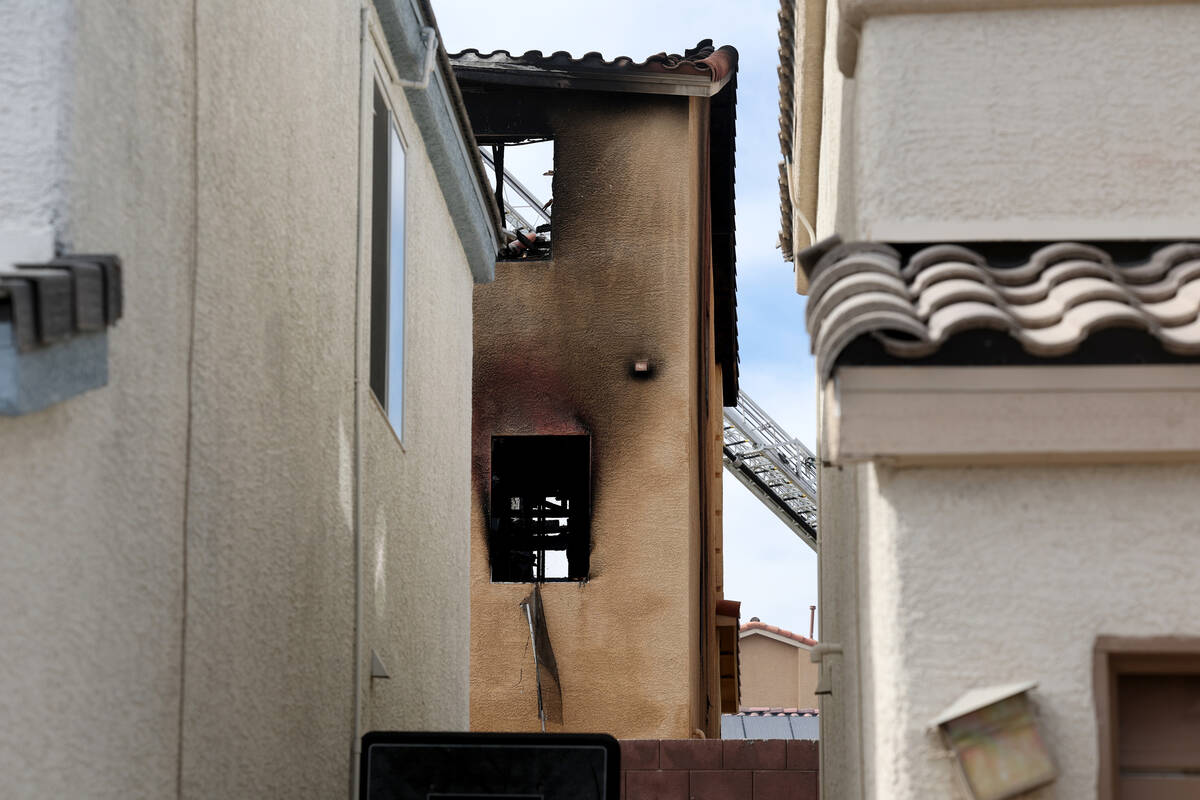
(604, 353)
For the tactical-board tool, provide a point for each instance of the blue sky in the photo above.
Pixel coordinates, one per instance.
(766, 566)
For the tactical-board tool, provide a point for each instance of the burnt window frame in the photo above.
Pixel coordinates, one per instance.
(493, 147)
(539, 466)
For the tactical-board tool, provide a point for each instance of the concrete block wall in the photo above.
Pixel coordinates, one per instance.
(715, 769)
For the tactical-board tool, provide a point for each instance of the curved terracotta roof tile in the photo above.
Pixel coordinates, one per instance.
(703, 59)
(1049, 304)
(787, 116)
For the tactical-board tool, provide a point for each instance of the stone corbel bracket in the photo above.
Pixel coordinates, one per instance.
(854, 13)
(54, 318)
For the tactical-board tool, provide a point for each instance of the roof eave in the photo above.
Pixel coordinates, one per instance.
(584, 80)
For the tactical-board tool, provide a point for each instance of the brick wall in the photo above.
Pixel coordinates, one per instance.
(716, 769)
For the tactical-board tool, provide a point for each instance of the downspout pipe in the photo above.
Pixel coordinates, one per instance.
(430, 38)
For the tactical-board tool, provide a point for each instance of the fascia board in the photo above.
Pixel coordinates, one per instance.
(600, 80)
(981, 415)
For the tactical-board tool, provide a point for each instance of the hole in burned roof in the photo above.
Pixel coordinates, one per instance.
(525, 197)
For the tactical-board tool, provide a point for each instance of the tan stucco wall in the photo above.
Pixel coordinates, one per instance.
(553, 347)
(135, 566)
(776, 674)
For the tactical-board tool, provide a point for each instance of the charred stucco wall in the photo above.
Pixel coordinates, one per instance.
(553, 347)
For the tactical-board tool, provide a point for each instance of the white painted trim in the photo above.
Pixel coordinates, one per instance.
(1030, 229)
(971, 415)
(777, 637)
(32, 245)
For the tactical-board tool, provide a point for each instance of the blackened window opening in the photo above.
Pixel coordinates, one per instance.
(525, 197)
(540, 508)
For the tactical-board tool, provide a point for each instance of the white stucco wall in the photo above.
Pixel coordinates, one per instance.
(270, 584)
(156, 587)
(35, 104)
(92, 489)
(1019, 124)
(417, 512)
(988, 575)
(1041, 123)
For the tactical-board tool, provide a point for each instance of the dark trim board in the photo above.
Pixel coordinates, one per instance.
(517, 757)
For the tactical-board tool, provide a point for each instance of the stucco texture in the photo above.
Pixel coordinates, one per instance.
(416, 496)
(179, 609)
(1036, 124)
(93, 488)
(988, 575)
(554, 345)
(270, 548)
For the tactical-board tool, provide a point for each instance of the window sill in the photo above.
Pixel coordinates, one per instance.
(54, 320)
(386, 419)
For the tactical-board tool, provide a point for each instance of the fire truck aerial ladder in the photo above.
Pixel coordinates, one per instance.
(775, 467)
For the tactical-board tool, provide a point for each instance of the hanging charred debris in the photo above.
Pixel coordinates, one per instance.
(526, 217)
(549, 688)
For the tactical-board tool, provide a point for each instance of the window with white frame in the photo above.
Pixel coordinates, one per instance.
(387, 263)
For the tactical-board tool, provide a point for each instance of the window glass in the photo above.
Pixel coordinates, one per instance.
(395, 383)
(387, 264)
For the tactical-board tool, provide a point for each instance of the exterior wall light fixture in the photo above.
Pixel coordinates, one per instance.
(994, 737)
(641, 368)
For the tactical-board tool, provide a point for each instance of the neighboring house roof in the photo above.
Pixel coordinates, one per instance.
(1003, 303)
(704, 71)
(774, 632)
(790, 723)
